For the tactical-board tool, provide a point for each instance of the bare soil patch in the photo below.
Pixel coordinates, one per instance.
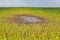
(27, 19)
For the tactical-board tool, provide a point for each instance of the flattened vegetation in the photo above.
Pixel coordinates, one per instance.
(27, 19)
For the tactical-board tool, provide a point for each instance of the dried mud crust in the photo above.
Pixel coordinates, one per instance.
(27, 19)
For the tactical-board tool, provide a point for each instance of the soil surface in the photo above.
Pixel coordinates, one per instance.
(27, 19)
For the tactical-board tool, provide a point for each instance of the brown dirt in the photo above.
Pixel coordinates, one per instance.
(18, 19)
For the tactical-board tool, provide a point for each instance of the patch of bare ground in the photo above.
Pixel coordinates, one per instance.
(27, 19)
